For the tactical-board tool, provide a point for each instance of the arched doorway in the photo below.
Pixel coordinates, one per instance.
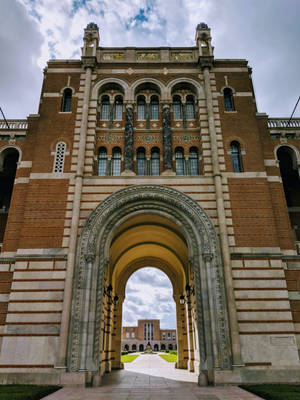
(141, 347)
(156, 347)
(8, 166)
(289, 171)
(160, 221)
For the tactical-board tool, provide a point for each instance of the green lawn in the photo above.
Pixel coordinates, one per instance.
(25, 392)
(128, 358)
(274, 392)
(169, 357)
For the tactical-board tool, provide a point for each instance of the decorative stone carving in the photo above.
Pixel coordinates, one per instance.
(147, 56)
(182, 56)
(113, 56)
(110, 138)
(128, 152)
(203, 243)
(167, 138)
(148, 138)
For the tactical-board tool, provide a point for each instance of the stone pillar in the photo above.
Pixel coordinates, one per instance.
(117, 334)
(88, 64)
(167, 139)
(190, 338)
(128, 152)
(181, 334)
(206, 64)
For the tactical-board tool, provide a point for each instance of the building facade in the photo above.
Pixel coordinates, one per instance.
(148, 335)
(145, 157)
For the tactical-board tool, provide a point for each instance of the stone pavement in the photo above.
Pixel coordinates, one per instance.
(149, 377)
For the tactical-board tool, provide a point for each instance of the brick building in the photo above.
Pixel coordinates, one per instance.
(145, 157)
(147, 334)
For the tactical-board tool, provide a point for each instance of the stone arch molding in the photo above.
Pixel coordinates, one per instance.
(92, 260)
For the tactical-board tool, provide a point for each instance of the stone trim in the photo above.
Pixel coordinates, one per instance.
(95, 238)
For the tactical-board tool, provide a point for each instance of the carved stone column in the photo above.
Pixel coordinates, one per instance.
(167, 139)
(181, 334)
(128, 152)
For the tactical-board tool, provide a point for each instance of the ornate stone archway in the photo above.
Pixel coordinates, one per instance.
(204, 259)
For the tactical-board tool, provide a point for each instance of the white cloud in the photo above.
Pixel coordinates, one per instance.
(265, 32)
(150, 300)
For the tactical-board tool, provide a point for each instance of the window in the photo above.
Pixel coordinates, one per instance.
(164, 336)
(228, 99)
(190, 107)
(154, 107)
(236, 156)
(169, 336)
(59, 159)
(127, 335)
(105, 108)
(173, 336)
(116, 161)
(141, 108)
(155, 161)
(132, 335)
(66, 100)
(177, 108)
(140, 161)
(118, 108)
(102, 162)
(194, 162)
(179, 161)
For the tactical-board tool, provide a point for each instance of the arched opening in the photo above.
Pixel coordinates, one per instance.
(136, 227)
(236, 156)
(289, 171)
(141, 161)
(163, 346)
(66, 100)
(126, 347)
(102, 162)
(141, 347)
(149, 307)
(133, 348)
(228, 99)
(8, 167)
(155, 161)
(179, 161)
(116, 161)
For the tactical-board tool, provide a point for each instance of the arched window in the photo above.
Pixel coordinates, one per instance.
(190, 107)
(105, 108)
(179, 161)
(289, 171)
(141, 108)
(102, 162)
(59, 159)
(194, 161)
(116, 161)
(177, 107)
(155, 161)
(236, 156)
(118, 108)
(140, 161)
(228, 99)
(154, 107)
(66, 100)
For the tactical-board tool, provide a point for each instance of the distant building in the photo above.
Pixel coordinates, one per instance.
(148, 333)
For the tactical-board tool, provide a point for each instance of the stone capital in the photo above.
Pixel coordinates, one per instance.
(206, 62)
(89, 62)
(89, 257)
(207, 257)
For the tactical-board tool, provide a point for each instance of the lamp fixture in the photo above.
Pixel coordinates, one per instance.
(189, 290)
(108, 292)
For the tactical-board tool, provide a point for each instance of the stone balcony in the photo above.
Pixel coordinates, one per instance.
(13, 129)
(284, 128)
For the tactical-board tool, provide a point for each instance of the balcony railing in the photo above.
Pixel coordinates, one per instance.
(284, 123)
(14, 124)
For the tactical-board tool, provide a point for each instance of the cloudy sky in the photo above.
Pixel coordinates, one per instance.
(266, 32)
(149, 294)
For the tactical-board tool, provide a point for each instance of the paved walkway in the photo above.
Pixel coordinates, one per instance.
(149, 377)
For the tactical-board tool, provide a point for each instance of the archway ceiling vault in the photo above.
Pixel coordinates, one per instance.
(148, 237)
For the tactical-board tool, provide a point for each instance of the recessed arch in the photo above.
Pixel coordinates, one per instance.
(93, 261)
(97, 86)
(154, 81)
(198, 87)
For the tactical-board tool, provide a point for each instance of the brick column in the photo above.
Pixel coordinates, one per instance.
(206, 64)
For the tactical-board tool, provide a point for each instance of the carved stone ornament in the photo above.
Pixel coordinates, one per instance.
(204, 259)
(182, 56)
(147, 56)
